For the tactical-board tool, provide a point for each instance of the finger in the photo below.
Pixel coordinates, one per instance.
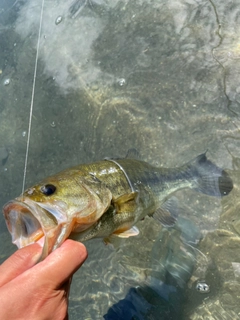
(19, 262)
(62, 263)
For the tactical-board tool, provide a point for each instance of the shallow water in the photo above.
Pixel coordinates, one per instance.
(160, 76)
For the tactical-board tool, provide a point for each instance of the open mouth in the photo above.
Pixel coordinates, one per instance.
(24, 227)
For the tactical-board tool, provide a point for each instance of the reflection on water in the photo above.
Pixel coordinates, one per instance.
(160, 76)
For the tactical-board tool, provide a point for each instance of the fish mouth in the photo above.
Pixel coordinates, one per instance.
(23, 224)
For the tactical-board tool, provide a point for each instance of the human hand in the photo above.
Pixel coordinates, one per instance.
(39, 292)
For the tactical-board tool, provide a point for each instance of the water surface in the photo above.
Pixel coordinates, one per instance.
(159, 76)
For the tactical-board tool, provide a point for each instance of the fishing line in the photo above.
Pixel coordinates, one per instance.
(121, 168)
(32, 99)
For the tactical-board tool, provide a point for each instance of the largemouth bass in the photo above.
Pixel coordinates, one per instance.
(105, 198)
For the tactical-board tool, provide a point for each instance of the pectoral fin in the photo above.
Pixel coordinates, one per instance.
(125, 198)
(126, 202)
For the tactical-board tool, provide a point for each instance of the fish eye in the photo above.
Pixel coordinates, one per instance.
(48, 189)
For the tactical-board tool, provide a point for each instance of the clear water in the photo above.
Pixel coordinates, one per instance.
(160, 76)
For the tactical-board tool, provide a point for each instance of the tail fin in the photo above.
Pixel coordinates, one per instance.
(208, 178)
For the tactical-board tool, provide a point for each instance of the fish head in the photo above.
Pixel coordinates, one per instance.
(48, 212)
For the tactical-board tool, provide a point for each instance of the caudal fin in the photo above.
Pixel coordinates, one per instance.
(209, 178)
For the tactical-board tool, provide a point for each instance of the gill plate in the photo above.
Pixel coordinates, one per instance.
(124, 172)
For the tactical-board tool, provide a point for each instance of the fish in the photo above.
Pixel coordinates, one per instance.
(105, 198)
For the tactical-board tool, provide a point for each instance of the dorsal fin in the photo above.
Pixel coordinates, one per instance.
(132, 154)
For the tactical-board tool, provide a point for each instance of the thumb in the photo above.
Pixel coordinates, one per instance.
(22, 260)
(62, 263)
